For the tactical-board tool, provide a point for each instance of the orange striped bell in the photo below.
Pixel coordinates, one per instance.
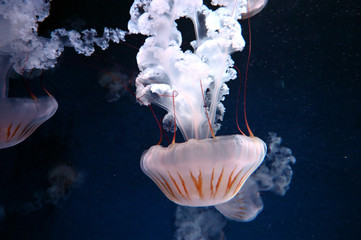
(203, 172)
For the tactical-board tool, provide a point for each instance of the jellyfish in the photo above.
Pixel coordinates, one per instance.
(205, 170)
(20, 117)
(115, 82)
(63, 178)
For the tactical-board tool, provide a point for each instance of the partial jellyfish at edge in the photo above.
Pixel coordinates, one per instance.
(20, 117)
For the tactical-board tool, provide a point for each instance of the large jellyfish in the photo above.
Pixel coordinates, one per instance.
(205, 170)
(22, 49)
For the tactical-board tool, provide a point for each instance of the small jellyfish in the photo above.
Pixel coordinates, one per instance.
(20, 117)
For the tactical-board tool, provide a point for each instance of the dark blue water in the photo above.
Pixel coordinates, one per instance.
(303, 83)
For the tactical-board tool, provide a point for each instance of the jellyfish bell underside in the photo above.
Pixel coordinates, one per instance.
(20, 117)
(204, 172)
(245, 206)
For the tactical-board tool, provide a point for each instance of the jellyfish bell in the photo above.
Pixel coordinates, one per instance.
(203, 172)
(254, 7)
(20, 117)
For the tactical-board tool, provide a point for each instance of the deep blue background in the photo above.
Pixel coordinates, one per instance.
(304, 84)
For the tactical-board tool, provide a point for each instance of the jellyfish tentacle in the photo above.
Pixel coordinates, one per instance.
(160, 127)
(246, 75)
(238, 97)
(25, 81)
(174, 117)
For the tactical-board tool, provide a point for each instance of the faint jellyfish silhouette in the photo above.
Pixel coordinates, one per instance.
(115, 82)
(62, 178)
(254, 7)
(202, 171)
(20, 117)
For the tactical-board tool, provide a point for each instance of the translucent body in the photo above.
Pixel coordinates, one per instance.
(19, 117)
(203, 172)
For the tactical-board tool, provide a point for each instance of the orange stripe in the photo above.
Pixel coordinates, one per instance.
(29, 129)
(198, 184)
(162, 186)
(242, 208)
(158, 184)
(184, 185)
(16, 129)
(230, 183)
(240, 199)
(240, 183)
(8, 134)
(169, 188)
(33, 128)
(176, 185)
(212, 182)
(219, 181)
(22, 132)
